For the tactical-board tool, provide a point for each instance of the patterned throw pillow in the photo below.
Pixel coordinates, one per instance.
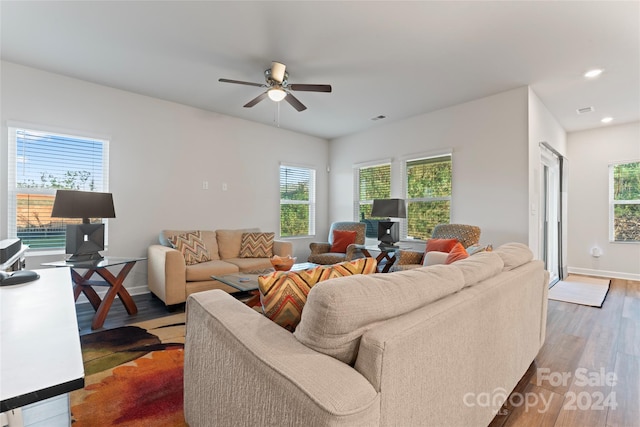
(192, 247)
(284, 293)
(257, 245)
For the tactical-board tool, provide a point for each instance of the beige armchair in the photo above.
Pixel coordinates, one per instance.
(466, 234)
(321, 251)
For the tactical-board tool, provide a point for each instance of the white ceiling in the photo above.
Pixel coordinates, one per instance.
(397, 59)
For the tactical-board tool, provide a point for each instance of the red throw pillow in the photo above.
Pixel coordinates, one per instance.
(457, 253)
(441, 245)
(342, 239)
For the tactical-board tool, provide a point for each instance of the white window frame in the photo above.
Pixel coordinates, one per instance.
(415, 157)
(12, 180)
(356, 183)
(613, 203)
(311, 202)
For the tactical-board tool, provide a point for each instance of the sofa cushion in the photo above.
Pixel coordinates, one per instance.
(230, 242)
(340, 310)
(191, 246)
(252, 265)
(514, 255)
(479, 267)
(257, 245)
(204, 270)
(342, 239)
(283, 294)
(456, 253)
(434, 258)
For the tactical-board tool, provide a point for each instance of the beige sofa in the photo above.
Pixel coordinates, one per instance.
(409, 348)
(172, 280)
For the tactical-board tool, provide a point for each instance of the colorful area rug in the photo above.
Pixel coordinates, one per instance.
(581, 290)
(133, 376)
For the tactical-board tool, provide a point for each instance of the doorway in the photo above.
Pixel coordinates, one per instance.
(552, 172)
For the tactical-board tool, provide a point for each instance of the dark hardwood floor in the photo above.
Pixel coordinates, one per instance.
(588, 371)
(149, 307)
(569, 385)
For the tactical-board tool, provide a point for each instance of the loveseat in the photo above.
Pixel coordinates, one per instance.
(424, 347)
(173, 274)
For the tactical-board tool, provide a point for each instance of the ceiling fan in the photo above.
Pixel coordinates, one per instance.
(278, 87)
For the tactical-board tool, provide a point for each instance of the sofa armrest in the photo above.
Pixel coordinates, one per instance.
(319, 247)
(166, 274)
(282, 381)
(351, 251)
(282, 248)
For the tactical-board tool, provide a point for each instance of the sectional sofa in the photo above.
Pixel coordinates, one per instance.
(434, 346)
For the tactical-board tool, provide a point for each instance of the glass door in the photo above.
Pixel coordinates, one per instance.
(551, 213)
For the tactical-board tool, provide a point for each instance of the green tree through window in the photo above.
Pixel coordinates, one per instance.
(428, 184)
(297, 201)
(625, 202)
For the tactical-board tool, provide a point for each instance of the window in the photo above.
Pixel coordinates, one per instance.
(297, 201)
(39, 164)
(624, 202)
(428, 194)
(372, 182)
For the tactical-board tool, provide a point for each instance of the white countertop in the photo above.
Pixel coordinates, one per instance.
(39, 341)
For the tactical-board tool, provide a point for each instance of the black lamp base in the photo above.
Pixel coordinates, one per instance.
(95, 256)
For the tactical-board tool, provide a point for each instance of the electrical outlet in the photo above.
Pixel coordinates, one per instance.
(224, 186)
(205, 185)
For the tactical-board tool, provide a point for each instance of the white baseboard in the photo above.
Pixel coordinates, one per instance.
(603, 273)
(135, 290)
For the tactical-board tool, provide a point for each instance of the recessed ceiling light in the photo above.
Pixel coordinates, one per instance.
(607, 119)
(380, 117)
(592, 74)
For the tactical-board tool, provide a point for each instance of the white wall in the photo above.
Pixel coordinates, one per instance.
(489, 140)
(590, 153)
(160, 153)
(543, 127)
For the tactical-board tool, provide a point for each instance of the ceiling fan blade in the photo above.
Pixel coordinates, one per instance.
(242, 83)
(277, 71)
(310, 88)
(294, 102)
(255, 100)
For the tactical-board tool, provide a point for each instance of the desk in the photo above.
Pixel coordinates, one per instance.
(83, 284)
(386, 257)
(39, 344)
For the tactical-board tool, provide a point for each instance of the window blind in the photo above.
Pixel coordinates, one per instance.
(39, 164)
(297, 201)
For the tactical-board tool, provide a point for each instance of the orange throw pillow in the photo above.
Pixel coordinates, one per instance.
(457, 253)
(342, 239)
(441, 245)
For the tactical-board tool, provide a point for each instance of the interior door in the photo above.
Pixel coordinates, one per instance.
(551, 212)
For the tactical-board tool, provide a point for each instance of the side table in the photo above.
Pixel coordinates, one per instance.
(82, 283)
(387, 255)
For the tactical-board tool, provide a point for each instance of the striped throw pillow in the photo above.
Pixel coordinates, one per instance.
(284, 293)
(257, 245)
(192, 247)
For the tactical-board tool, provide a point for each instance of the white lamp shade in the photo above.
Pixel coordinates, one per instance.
(276, 94)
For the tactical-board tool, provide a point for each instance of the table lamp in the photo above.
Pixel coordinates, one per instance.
(83, 240)
(389, 231)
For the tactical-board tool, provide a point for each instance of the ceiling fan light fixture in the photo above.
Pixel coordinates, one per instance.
(276, 94)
